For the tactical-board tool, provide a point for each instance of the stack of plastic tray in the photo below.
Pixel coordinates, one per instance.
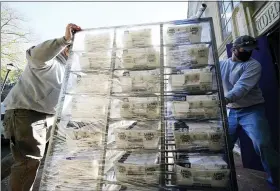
(202, 170)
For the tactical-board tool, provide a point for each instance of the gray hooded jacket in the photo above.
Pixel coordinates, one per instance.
(39, 85)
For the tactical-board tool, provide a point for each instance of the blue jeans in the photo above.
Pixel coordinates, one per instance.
(254, 123)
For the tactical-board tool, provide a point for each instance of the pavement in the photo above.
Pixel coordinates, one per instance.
(248, 180)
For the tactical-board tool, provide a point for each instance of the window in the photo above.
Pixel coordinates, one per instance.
(226, 8)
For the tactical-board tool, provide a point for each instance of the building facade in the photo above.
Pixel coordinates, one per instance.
(234, 18)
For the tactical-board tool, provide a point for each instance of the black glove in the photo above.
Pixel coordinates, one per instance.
(226, 100)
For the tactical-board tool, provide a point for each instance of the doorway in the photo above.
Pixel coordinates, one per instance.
(273, 39)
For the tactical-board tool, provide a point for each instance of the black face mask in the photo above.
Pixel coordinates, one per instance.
(243, 56)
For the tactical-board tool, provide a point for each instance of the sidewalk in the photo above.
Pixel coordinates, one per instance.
(249, 180)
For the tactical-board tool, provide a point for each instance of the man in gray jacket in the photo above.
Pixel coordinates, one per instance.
(30, 106)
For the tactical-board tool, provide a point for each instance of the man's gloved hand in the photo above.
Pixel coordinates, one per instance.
(70, 29)
(226, 100)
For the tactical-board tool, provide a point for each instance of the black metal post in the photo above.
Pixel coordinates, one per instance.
(5, 80)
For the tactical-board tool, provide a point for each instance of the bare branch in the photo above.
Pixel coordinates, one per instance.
(6, 23)
(14, 33)
(12, 25)
(13, 36)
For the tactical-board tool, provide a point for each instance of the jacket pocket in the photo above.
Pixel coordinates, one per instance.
(6, 125)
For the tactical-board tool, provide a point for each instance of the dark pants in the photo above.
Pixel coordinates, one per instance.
(28, 133)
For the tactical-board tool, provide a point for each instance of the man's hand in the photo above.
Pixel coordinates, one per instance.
(226, 100)
(70, 29)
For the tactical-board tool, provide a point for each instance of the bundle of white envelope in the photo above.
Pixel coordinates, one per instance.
(93, 60)
(138, 37)
(138, 168)
(136, 134)
(89, 108)
(181, 34)
(141, 58)
(199, 106)
(83, 135)
(86, 186)
(78, 168)
(192, 80)
(92, 50)
(83, 168)
(187, 55)
(140, 107)
(72, 171)
(202, 170)
(198, 136)
(138, 81)
(96, 41)
(85, 83)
